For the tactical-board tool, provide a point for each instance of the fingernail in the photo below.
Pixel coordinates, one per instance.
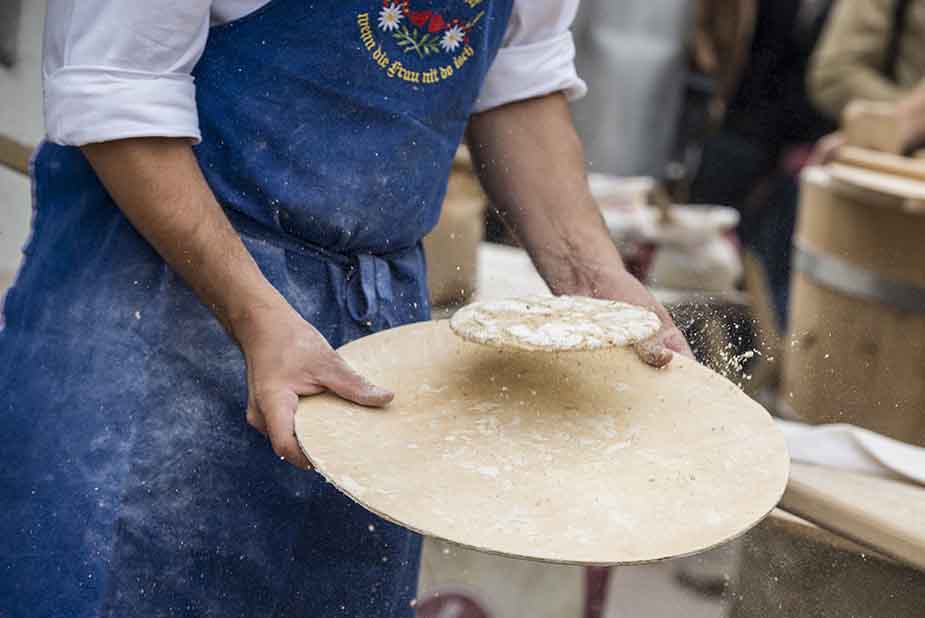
(378, 391)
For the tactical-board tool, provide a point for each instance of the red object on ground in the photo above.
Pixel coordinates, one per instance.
(638, 257)
(596, 581)
(450, 605)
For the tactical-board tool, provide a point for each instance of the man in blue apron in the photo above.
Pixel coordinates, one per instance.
(159, 274)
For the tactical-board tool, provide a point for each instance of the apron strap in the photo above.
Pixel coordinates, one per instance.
(368, 288)
(367, 276)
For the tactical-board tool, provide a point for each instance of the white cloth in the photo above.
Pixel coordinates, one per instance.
(633, 52)
(122, 69)
(854, 449)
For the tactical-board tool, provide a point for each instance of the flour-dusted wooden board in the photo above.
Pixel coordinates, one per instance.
(578, 457)
(886, 515)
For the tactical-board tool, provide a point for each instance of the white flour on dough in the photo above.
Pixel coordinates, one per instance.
(555, 323)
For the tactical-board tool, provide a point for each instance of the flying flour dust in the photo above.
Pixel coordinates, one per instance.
(554, 323)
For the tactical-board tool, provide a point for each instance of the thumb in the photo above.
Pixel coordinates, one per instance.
(653, 352)
(347, 383)
(278, 408)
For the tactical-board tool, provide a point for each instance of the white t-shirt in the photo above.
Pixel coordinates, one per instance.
(122, 69)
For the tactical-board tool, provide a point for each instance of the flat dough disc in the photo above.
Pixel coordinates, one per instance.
(554, 323)
(577, 457)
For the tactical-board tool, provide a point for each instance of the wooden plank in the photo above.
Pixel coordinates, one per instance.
(909, 189)
(14, 155)
(886, 515)
(872, 124)
(6, 280)
(885, 162)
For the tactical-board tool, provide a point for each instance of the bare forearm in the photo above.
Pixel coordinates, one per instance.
(157, 183)
(532, 166)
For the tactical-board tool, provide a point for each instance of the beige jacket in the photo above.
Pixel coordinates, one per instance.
(848, 63)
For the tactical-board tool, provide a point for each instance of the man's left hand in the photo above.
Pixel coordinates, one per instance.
(659, 350)
(532, 166)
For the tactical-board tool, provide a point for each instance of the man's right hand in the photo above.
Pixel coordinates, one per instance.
(287, 358)
(159, 186)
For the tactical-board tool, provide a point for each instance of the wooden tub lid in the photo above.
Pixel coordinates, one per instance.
(578, 457)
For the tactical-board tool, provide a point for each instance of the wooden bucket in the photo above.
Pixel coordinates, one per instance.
(856, 350)
(452, 247)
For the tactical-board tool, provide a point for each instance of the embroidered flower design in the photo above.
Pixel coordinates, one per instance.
(425, 32)
(390, 17)
(452, 38)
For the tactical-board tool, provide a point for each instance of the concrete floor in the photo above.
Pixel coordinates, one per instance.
(655, 591)
(519, 589)
(783, 568)
(506, 588)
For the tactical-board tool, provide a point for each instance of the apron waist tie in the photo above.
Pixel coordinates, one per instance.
(367, 276)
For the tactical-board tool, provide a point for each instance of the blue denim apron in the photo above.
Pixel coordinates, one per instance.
(129, 481)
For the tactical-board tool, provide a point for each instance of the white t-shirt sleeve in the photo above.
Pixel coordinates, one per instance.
(537, 56)
(122, 69)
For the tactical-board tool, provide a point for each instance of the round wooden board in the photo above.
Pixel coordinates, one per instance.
(576, 457)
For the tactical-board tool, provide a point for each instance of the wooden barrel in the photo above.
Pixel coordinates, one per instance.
(856, 346)
(452, 247)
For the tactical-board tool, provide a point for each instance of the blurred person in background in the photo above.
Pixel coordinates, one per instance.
(767, 128)
(869, 70)
(632, 52)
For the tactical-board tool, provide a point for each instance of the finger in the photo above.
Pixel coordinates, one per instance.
(278, 408)
(670, 336)
(826, 154)
(819, 155)
(659, 349)
(827, 149)
(652, 352)
(675, 341)
(347, 383)
(255, 418)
